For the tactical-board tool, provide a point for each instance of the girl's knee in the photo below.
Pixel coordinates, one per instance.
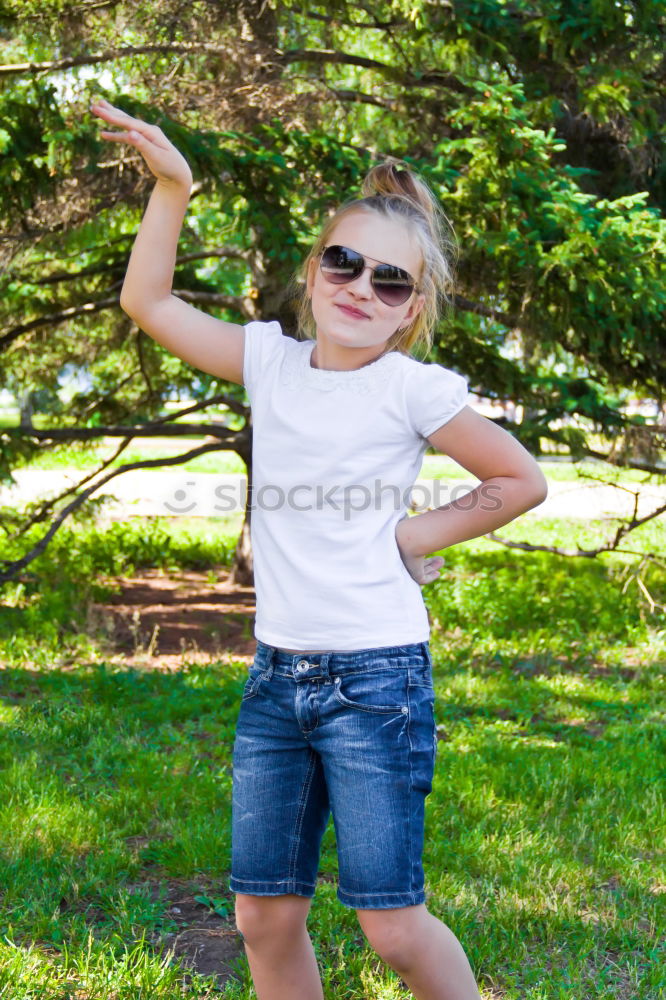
(393, 933)
(275, 918)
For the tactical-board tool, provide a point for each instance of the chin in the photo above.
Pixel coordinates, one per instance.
(342, 335)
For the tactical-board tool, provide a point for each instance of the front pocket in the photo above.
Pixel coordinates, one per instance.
(252, 685)
(370, 692)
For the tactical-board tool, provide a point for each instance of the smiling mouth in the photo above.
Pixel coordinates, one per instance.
(356, 313)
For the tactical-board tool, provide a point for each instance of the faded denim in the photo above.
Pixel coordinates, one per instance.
(351, 733)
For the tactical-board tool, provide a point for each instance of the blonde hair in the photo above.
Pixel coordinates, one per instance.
(394, 191)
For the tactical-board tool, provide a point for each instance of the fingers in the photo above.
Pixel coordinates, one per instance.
(431, 568)
(131, 137)
(434, 562)
(134, 127)
(114, 115)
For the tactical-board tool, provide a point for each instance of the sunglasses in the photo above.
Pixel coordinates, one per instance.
(392, 285)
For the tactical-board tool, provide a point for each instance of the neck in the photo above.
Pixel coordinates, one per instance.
(333, 357)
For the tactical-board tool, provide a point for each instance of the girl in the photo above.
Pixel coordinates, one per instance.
(337, 711)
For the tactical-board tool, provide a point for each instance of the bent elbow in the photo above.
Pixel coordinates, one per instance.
(538, 490)
(125, 304)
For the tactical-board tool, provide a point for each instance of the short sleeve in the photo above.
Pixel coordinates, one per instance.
(264, 346)
(434, 395)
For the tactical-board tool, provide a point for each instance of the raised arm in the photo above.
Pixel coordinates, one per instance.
(203, 341)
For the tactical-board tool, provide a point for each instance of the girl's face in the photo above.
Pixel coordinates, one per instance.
(380, 240)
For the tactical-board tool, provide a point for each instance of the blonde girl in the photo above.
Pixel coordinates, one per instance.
(337, 712)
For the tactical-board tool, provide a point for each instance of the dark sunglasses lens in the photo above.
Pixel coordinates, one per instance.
(392, 285)
(340, 264)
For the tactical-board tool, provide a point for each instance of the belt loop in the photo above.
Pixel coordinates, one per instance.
(324, 664)
(268, 672)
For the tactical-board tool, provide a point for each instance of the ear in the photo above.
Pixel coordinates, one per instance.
(415, 308)
(309, 281)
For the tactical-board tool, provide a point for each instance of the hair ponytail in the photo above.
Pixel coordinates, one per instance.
(392, 179)
(395, 191)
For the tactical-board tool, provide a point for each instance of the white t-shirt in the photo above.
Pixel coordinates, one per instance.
(334, 458)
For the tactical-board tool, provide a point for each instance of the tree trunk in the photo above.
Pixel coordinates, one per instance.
(242, 568)
(26, 409)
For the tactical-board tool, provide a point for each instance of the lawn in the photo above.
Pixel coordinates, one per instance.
(545, 827)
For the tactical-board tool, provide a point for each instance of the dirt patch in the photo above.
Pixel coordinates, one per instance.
(206, 942)
(209, 952)
(157, 620)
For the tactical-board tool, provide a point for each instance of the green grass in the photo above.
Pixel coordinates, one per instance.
(544, 829)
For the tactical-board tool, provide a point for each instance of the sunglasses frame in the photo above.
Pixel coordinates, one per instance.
(365, 259)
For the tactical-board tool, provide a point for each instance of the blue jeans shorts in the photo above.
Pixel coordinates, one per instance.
(352, 734)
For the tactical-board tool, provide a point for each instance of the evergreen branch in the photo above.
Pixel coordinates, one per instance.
(54, 279)
(336, 22)
(92, 59)
(210, 299)
(90, 308)
(642, 464)
(52, 319)
(356, 97)
(477, 307)
(427, 78)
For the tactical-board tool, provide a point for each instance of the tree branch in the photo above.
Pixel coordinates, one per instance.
(642, 464)
(92, 59)
(210, 299)
(477, 307)
(336, 22)
(427, 78)
(139, 336)
(166, 425)
(90, 308)
(232, 404)
(358, 98)
(92, 406)
(88, 272)
(610, 546)
(12, 567)
(47, 505)
(141, 431)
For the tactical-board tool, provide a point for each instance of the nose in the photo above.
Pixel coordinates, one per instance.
(363, 284)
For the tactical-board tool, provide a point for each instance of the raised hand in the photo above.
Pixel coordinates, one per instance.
(162, 158)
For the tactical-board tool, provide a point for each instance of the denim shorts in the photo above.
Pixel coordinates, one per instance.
(348, 733)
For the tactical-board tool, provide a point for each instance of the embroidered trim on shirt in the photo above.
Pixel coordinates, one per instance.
(298, 372)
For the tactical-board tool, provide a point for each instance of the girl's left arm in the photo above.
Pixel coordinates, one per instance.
(511, 483)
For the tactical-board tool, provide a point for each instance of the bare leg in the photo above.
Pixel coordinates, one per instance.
(422, 950)
(278, 947)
